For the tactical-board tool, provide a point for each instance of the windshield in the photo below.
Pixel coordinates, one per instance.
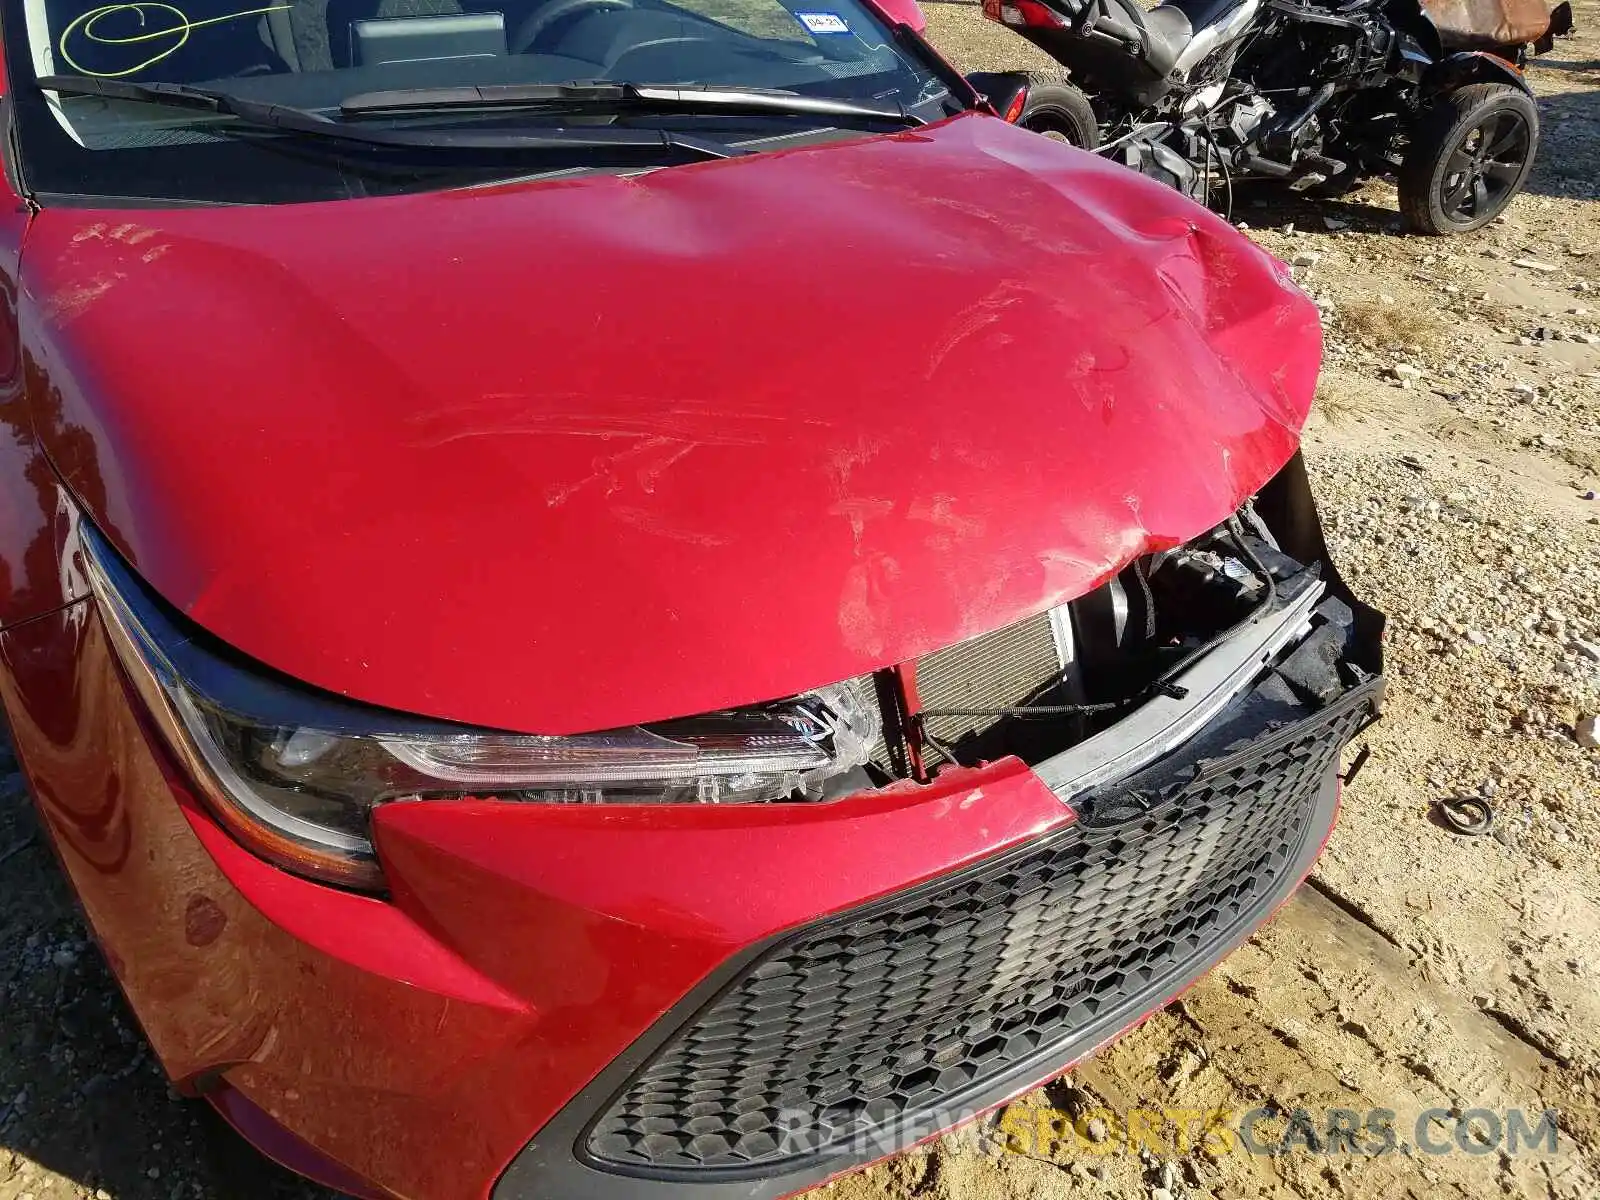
(316, 56)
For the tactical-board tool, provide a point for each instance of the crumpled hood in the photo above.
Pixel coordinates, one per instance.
(563, 456)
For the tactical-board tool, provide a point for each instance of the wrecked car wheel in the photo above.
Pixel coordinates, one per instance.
(1470, 155)
(1060, 112)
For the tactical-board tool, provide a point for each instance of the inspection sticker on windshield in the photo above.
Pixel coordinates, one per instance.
(823, 22)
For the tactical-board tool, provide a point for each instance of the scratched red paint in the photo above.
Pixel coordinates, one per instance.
(612, 450)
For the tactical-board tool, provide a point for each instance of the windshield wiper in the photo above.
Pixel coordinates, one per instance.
(179, 95)
(612, 96)
(284, 118)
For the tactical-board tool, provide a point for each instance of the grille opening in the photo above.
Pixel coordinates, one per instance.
(1107, 648)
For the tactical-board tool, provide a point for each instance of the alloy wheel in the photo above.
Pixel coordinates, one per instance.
(1485, 166)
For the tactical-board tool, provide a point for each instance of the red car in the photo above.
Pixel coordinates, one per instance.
(630, 598)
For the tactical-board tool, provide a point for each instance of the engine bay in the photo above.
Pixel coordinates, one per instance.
(1223, 637)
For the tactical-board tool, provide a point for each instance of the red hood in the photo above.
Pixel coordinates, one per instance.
(568, 455)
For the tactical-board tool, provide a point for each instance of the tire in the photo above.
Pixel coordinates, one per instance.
(1469, 156)
(1059, 111)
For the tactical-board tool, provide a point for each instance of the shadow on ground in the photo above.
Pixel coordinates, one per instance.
(83, 1106)
(1569, 153)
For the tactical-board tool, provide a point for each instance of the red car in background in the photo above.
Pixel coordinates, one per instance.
(624, 598)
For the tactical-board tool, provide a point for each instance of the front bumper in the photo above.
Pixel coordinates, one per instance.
(870, 1031)
(738, 1001)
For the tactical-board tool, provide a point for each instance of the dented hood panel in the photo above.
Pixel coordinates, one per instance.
(563, 456)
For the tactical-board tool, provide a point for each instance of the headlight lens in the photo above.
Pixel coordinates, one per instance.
(295, 774)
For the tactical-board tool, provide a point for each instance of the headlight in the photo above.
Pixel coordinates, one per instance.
(294, 773)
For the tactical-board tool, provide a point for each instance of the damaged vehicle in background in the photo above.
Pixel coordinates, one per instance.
(548, 676)
(1204, 94)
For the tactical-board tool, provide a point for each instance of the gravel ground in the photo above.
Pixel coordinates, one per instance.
(1456, 452)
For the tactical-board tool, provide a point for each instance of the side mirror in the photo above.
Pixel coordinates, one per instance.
(904, 12)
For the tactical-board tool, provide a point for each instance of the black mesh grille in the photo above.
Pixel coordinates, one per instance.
(909, 1003)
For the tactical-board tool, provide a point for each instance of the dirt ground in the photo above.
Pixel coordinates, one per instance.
(1456, 452)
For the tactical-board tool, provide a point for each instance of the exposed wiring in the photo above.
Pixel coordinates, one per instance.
(1140, 574)
(1222, 165)
(1128, 137)
(945, 751)
(1034, 711)
(1227, 183)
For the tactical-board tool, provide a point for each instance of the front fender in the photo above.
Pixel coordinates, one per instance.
(1472, 66)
